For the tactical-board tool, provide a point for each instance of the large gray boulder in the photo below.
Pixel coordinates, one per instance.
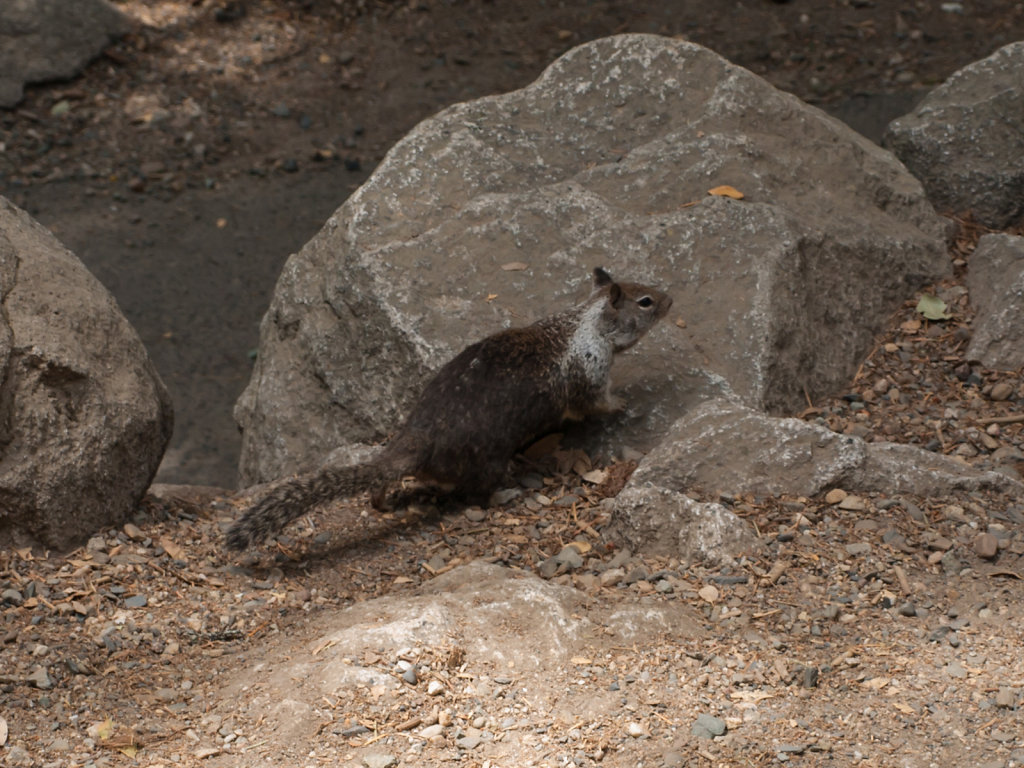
(965, 140)
(607, 159)
(44, 40)
(995, 282)
(725, 448)
(84, 417)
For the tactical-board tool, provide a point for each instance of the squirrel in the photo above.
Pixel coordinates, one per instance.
(489, 401)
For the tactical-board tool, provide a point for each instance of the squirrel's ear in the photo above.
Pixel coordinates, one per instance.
(615, 295)
(601, 278)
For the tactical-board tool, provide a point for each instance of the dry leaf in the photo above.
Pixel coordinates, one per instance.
(580, 546)
(515, 266)
(754, 696)
(172, 549)
(709, 593)
(726, 191)
(101, 731)
(581, 661)
(876, 683)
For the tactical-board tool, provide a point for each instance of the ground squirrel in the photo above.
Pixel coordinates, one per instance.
(484, 405)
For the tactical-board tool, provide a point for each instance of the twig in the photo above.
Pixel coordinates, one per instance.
(901, 576)
(1017, 418)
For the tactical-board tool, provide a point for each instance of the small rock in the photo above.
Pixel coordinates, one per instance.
(432, 731)
(907, 609)
(133, 532)
(409, 676)
(11, 597)
(708, 727)
(475, 514)
(853, 503)
(570, 557)
(951, 564)
(468, 742)
(634, 729)
(136, 601)
(835, 496)
(858, 548)
(611, 577)
(956, 669)
(435, 688)
(986, 546)
(807, 677)
(40, 678)
(1006, 698)
(18, 756)
(504, 496)
(1001, 390)
(379, 760)
(673, 760)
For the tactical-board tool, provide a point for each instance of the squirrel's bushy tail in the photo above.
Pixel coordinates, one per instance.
(292, 498)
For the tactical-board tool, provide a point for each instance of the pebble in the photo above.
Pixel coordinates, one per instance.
(379, 760)
(410, 676)
(1006, 698)
(468, 742)
(986, 546)
(432, 731)
(504, 496)
(435, 688)
(133, 532)
(859, 548)
(611, 577)
(708, 727)
(634, 729)
(673, 760)
(40, 678)
(18, 756)
(475, 514)
(835, 496)
(1001, 390)
(853, 503)
(956, 669)
(807, 676)
(136, 601)
(12, 597)
(570, 557)
(907, 609)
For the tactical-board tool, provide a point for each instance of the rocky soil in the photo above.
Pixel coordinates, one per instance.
(874, 631)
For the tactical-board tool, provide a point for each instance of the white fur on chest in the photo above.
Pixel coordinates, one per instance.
(589, 353)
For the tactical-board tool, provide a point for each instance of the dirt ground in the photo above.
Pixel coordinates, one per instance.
(185, 166)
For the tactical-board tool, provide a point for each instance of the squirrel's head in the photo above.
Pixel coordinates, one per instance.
(630, 309)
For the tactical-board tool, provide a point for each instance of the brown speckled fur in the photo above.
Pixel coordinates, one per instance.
(480, 408)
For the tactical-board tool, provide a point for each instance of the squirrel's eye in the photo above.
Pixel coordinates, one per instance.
(645, 302)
